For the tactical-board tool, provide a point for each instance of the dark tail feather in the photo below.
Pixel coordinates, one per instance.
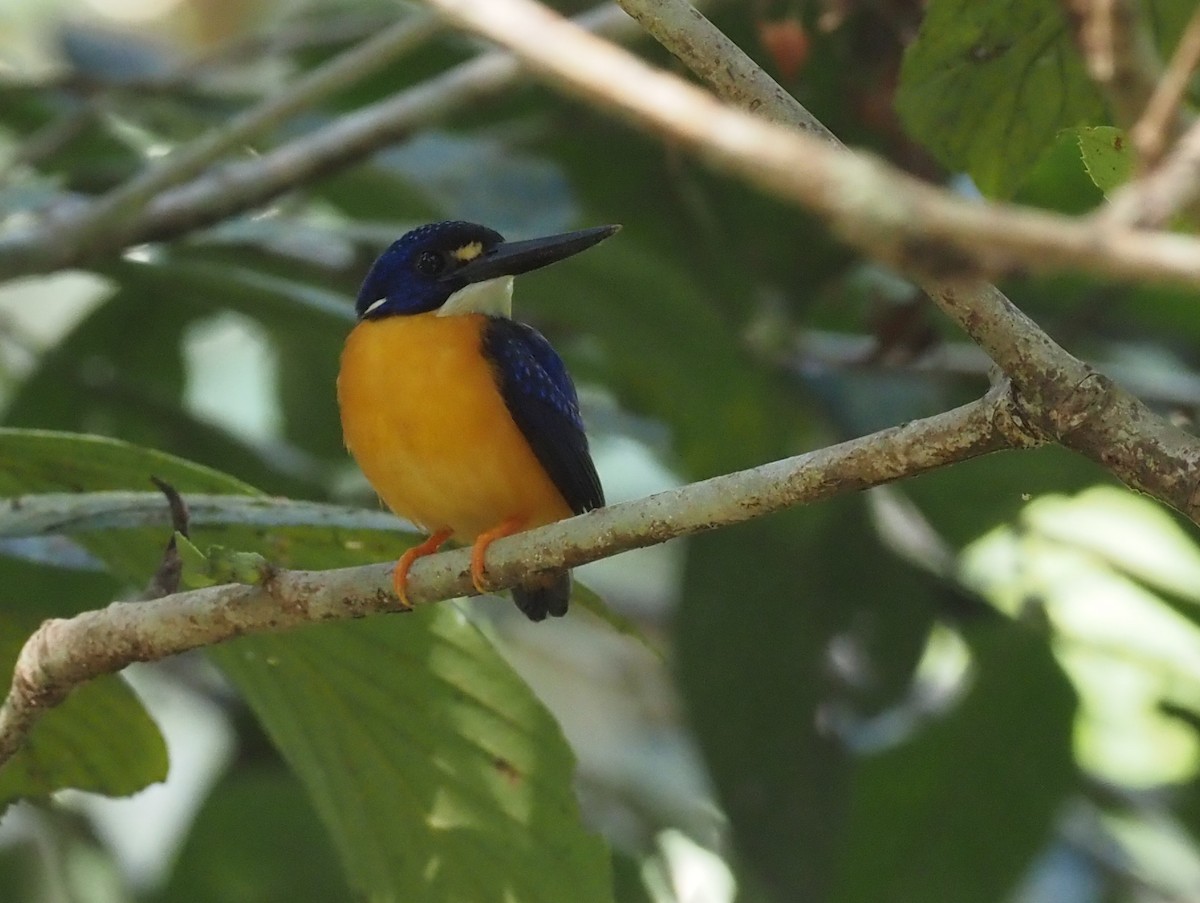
(547, 596)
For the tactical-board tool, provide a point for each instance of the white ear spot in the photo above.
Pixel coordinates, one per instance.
(373, 305)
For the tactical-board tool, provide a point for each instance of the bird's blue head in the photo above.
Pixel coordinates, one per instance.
(457, 267)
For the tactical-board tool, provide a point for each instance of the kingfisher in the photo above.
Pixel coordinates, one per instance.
(464, 420)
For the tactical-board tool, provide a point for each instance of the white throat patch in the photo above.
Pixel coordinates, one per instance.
(493, 297)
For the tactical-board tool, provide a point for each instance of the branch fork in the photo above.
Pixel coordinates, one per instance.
(1057, 397)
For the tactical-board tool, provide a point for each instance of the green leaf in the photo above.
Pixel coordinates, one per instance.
(762, 606)
(584, 599)
(1106, 154)
(89, 159)
(231, 566)
(1060, 182)
(96, 379)
(988, 84)
(629, 886)
(965, 501)
(704, 386)
(432, 763)
(958, 812)
(195, 572)
(281, 851)
(100, 738)
(48, 461)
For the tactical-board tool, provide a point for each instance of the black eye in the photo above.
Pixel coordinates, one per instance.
(430, 263)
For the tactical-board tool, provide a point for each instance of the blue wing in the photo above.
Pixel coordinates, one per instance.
(540, 396)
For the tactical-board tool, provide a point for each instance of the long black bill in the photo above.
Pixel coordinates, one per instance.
(511, 258)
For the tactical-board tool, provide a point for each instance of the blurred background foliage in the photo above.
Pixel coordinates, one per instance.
(983, 684)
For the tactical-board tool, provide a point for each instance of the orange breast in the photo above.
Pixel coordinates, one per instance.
(423, 418)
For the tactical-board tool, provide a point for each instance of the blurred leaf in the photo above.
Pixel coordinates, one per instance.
(302, 248)
(1059, 180)
(47, 461)
(1133, 534)
(965, 501)
(281, 851)
(99, 738)
(128, 347)
(428, 60)
(1185, 797)
(306, 325)
(112, 55)
(665, 349)
(484, 180)
(69, 134)
(1096, 567)
(757, 667)
(988, 84)
(628, 884)
(1106, 154)
(120, 372)
(19, 870)
(583, 598)
(430, 761)
(728, 243)
(959, 811)
(1166, 20)
(380, 193)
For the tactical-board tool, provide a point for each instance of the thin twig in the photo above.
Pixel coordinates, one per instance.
(237, 187)
(1159, 122)
(1119, 53)
(63, 654)
(732, 74)
(114, 210)
(170, 567)
(93, 92)
(311, 34)
(83, 512)
(52, 137)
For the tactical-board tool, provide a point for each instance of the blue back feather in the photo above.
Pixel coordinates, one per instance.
(540, 396)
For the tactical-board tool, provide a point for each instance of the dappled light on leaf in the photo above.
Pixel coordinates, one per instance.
(1097, 565)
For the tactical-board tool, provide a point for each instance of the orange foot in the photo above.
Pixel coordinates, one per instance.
(479, 550)
(400, 574)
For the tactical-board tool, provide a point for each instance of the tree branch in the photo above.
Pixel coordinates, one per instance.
(870, 204)
(890, 215)
(73, 512)
(1163, 116)
(109, 216)
(236, 187)
(895, 218)
(62, 654)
